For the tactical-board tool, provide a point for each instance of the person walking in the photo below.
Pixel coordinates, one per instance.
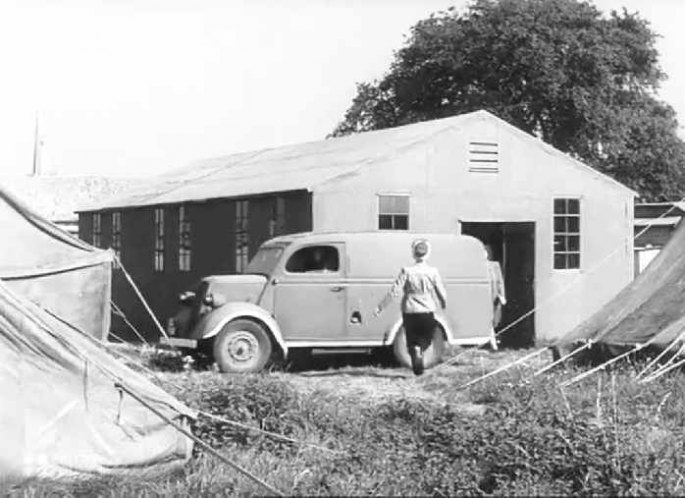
(422, 291)
(497, 293)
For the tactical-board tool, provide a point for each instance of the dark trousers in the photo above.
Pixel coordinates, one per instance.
(418, 329)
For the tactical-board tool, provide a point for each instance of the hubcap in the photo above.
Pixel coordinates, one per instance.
(243, 348)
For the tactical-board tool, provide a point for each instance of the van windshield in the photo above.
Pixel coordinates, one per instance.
(265, 261)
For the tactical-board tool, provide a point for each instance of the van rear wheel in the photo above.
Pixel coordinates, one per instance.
(242, 346)
(431, 356)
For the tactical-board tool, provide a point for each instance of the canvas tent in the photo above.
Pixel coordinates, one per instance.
(62, 413)
(651, 309)
(54, 269)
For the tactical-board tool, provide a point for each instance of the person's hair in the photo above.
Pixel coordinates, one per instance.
(420, 248)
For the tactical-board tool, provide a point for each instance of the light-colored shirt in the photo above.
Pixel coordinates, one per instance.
(496, 282)
(420, 286)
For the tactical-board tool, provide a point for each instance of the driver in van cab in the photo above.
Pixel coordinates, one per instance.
(321, 261)
(422, 291)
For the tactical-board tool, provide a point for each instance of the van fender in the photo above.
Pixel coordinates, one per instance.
(441, 321)
(212, 323)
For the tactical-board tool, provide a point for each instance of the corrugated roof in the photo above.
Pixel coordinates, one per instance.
(293, 167)
(58, 198)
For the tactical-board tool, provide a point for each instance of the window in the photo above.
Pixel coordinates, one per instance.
(116, 234)
(277, 222)
(314, 259)
(242, 241)
(97, 229)
(159, 239)
(566, 234)
(484, 157)
(265, 261)
(393, 212)
(184, 240)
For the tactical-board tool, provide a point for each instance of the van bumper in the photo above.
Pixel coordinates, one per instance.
(179, 342)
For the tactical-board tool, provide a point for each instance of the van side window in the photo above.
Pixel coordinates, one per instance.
(314, 259)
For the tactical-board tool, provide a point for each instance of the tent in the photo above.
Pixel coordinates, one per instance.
(67, 407)
(54, 269)
(63, 412)
(651, 309)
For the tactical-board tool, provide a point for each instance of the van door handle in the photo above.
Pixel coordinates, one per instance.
(337, 288)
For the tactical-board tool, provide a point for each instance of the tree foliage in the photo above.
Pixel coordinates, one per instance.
(582, 81)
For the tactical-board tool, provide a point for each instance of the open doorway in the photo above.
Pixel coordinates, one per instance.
(513, 245)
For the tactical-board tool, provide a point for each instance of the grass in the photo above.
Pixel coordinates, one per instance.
(393, 434)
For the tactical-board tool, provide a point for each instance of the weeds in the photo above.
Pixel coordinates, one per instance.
(605, 435)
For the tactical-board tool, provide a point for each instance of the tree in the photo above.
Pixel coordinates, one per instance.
(560, 69)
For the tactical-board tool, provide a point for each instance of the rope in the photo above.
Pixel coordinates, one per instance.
(501, 369)
(140, 296)
(663, 371)
(199, 441)
(582, 376)
(118, 311)
(661, 355)
(563, 358)
(268, 433)
(154, 374)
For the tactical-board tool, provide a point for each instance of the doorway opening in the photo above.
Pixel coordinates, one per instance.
(513, 246)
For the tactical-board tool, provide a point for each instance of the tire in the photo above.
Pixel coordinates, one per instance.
(242, 346)
(431, 356)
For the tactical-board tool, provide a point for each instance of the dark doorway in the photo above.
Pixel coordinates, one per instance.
(513, 247)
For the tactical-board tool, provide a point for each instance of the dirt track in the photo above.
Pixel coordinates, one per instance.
(375, 384)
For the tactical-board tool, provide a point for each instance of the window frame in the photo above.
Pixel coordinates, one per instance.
(96, 230)
(571, 237)
(116, 233)
(185, 247)
(277, 221)
(242, 235)
(393, 215)
(336, 272)
(159, 249)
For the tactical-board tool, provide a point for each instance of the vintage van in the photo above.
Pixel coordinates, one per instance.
(319, 291)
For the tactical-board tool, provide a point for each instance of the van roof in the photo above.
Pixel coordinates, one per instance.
(385, 251)
(328, 236)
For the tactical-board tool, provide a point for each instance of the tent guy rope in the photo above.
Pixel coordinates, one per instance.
(140, 296)
(200, 442)
(119, 312)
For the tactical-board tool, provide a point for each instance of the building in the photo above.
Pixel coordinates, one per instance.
(562, 231)
(655, 222)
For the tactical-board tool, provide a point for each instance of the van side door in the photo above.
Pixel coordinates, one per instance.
(310, 296)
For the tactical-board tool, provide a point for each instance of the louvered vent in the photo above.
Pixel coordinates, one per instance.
(483, 157)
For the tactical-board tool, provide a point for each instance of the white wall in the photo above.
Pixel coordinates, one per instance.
(443, 192)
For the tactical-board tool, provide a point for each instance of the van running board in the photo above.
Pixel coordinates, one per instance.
(342, 350)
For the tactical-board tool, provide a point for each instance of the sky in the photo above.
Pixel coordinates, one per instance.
(137, 87)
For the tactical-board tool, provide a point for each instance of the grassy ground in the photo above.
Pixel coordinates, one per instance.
(379, 430)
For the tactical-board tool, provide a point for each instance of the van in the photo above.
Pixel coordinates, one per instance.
(319, 291)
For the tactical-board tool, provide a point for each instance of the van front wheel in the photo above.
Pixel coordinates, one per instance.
(242, 346)
(431, 356)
